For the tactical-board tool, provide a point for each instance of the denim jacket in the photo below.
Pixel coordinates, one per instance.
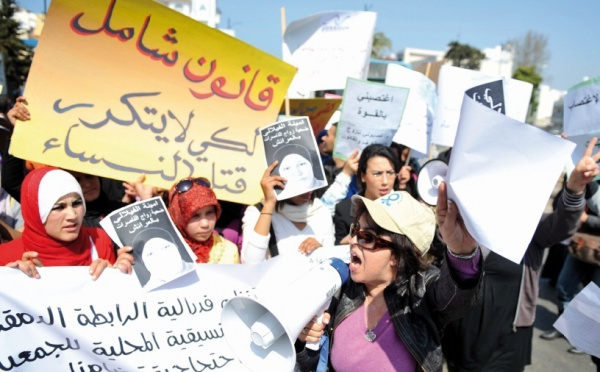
(420, 306)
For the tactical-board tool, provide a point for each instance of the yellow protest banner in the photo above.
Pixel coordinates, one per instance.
(124, 87)
(318, 110)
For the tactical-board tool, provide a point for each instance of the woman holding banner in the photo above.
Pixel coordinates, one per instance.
(53, 207)
(390, 315)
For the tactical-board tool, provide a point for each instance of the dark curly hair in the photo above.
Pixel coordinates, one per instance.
(408, 258)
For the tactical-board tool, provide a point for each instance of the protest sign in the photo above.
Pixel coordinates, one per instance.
(292, 143)
(452, 84)
(371, 113)
(68, 322)
(122, 88)
(580, 322)
(328, 48)
(160, 252)
(582, 108)
(318, 110)
(493, 157)
(415, 127)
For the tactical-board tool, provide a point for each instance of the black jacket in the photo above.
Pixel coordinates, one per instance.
(419, 306)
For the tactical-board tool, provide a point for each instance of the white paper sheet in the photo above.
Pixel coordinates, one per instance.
(582, 108)
(580, 322)
(452, 84)
(371, 113)
(501, 174)
(328, 48)
(415, 127)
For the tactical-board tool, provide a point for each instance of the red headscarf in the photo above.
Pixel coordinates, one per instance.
(50, 251)
(182, 207)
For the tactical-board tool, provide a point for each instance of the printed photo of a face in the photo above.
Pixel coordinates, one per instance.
(158, 259)
(296, 166)
(297, 170)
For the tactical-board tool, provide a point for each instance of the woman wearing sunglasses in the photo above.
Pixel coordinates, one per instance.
(390, 315)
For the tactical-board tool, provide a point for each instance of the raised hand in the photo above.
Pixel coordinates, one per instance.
(585, 170)
(452, 227)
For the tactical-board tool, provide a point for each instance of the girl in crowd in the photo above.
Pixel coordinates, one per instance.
(298, 224)
(390, 314)
(53, 207)
(378, 168)
(194, 209)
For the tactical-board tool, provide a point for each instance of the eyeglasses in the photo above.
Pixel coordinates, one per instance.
(368, 240)
(186, 184)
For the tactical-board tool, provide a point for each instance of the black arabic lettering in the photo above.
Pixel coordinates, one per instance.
(191, 337)
(181, 137)
(51, 317)
(135, 117)
(125, 347)
(92, 367)
(96, 319)
(175, 310)
(240, 183)
(15, 321)
(168, 59)
(223, 144)
(39, 353)
(61, 110)
(585, 100)
(123, 34)
(93, 160)
(214, 364)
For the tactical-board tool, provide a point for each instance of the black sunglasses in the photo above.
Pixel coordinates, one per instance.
(186, 184)
(368, 240)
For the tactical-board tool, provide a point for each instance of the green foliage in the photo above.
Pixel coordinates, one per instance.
(530, 75)
(17, 55)
(382, 45)
(464, 55)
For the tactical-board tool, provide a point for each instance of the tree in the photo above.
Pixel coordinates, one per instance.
(464, 55)
(530, 75)
(17, 55)
(530, 50)
(382, 45)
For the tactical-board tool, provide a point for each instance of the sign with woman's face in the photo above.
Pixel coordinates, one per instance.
(162, 259)
(292, 143)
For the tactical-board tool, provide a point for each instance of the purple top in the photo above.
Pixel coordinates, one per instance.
(352, 352)
(464, 269)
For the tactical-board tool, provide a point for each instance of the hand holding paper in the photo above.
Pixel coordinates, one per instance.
(452, 227)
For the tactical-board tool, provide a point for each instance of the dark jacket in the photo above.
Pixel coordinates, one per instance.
(342, 219)
(419, 306)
